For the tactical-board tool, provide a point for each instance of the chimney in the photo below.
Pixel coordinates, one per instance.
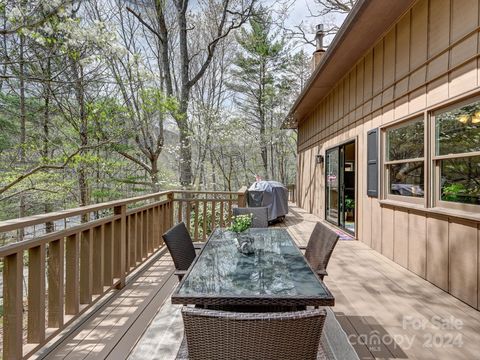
(318, 54)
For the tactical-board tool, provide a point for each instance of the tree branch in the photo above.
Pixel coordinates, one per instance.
(135, 160)
(144, 23)
(220, 35)
(46, 167)
(31, 25)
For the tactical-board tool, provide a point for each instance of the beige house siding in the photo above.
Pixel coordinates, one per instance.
(427, 59)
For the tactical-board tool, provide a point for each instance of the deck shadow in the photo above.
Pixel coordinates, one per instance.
(369, 339)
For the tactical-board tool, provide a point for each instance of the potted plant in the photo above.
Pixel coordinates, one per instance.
(240, 225)
(349, 208)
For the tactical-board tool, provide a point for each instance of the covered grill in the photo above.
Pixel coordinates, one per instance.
(272, 195)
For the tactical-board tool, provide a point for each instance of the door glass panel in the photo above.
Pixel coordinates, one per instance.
(332, 181)
(348, 169)
(341, 186)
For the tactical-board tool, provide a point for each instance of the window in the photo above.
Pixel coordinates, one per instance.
(404, 160)
(457, 156)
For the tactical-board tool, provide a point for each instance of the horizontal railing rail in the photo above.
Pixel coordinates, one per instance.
(57, 265)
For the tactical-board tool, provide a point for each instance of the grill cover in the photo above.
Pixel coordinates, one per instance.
(270, 194)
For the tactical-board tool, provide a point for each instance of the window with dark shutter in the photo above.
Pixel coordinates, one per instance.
(372, 163)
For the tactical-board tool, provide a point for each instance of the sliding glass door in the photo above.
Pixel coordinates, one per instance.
(340, 186)
(332, 171)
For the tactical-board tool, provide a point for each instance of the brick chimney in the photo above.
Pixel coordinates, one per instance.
(320, 51)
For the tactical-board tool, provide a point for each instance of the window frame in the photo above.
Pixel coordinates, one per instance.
(386, 163)
(435, 160)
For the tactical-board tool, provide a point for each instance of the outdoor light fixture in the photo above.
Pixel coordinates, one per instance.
(476, 118)
(319, 159)
(463, 118)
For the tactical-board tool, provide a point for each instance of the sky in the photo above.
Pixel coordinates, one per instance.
(299, 12)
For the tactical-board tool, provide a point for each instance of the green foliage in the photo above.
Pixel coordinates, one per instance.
(241, 223)
(349, 204)
(7, 129)
(154, 100)
(451, 192)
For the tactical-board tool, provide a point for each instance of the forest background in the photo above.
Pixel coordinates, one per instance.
(107, 99)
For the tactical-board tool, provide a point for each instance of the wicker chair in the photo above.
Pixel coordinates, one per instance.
(181, 247)
(221, 335)
(320, 247)
(260, 215)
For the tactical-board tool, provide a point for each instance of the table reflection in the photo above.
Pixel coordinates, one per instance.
(277, 267)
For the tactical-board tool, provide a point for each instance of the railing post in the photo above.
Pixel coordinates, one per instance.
(12, 306)
(86, 271)
(72, 291)
(36, 294)
(121, 237)
(55, 283)
(171, 207)
(242, 197)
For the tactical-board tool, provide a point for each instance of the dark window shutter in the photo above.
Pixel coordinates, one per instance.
(372, 163)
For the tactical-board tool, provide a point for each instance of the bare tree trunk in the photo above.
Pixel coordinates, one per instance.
(154, 173)
(23, 120)
(185, 145)
(83, 133)
(49, 225)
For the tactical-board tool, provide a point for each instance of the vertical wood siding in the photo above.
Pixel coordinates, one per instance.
(429, 56)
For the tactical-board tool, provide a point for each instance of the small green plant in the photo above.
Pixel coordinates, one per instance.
(349, 204)
(451, 192)
(241, 223)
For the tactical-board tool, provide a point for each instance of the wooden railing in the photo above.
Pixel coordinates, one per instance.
(90, 251)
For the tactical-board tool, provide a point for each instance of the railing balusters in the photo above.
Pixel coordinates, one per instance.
(197, 209)
(180, 210)
(132, 240)
(89, 258)
(214, 211)
(86, 274)
(55, 283)
(156, 227)
(204, 217)
(222, 224)
(98, 250)
(12, 305)
(139, 236)
(117, 257)
(150, 231)
(108, 255)
(36, 294)
(170, 212)
(121, 233)
(229, 215)
(145, 234)
(72, 293)
(188, 215)
(162, 218)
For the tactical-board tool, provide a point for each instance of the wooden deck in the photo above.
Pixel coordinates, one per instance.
(386, 311)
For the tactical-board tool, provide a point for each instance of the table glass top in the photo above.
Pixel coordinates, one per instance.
(277, 268)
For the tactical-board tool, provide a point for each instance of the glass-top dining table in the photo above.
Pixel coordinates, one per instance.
(276, 274)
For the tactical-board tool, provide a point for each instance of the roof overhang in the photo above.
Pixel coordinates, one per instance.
(364, 25)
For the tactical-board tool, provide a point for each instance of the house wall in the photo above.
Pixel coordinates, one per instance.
(429, 57)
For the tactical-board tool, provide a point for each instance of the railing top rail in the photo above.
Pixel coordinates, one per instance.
(44, 239)
(14, 224)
